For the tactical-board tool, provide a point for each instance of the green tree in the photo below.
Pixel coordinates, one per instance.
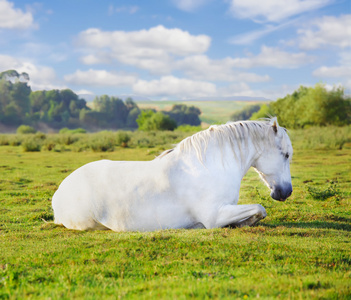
(150, 120)
(112, 111)
(245, 113)
(14, 97)
(264, 112)
(132, 117)
(184, 114)
(313, 106)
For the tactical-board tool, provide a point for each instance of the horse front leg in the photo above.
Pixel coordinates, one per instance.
(240, 215)
(197, 225)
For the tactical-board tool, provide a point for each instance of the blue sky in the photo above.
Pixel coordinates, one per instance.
(178, 49)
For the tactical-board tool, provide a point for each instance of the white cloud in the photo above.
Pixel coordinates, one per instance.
(84, 92)
(173, 86)
(93, 59)
(146, 43)
(273, 10)
(200, 67)
(99, 78)
(327, 31)
(273, 57)
(151, 49)
(14, 18)
(341, 72)
(54, 53)
(345, 58)
(248, 38)
(336, 72)
(189, 5)
(237, 89)
(41, 77)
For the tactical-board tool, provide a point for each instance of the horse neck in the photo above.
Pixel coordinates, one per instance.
(250, 153)
(237, 157)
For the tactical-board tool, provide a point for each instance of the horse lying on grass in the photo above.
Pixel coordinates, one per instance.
(194, 185)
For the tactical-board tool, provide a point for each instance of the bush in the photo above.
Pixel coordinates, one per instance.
(72, 131)
(4, 140)
(25, 129)
(102, 144)
(68, 139)
(123, 139)
(330, 137)
(324, 193)
(31, 145)
(189, 128)
(49, 145)
(41, 136)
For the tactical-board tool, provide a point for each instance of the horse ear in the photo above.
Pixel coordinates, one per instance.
(275, 125)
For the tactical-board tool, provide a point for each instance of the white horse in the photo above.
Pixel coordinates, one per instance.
(194, 185)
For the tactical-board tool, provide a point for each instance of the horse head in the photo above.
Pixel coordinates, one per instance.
(273, 162)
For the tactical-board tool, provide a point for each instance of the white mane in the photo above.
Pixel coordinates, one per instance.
(237, 133)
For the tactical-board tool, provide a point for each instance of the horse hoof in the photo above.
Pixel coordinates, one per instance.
(197, 225)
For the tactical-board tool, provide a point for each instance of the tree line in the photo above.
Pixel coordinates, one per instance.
(63, 108)
(307, 106)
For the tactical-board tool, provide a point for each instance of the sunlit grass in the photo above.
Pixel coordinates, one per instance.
(300, 251)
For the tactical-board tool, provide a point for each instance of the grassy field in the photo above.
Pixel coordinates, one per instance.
(302, 250)
(212, 113)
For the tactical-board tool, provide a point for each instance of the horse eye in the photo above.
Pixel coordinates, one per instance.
(287, 155)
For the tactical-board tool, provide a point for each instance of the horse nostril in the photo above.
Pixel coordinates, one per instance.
(280, 193)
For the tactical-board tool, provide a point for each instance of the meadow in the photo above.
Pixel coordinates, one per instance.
(302, 250)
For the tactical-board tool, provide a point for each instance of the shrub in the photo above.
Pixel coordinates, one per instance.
(330, 137)
(323, 194)
(189, 128)
(144, 143)
(25, 129)
(49, 145)
(79, 130)
(4, 140)
(41, 136)
(102, 144)
(72, 131)
(123, 139)
(31, 145)
(64, 130)
(15, 141)
(68, 139)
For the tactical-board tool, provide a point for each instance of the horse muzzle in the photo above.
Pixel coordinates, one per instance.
(281, 193)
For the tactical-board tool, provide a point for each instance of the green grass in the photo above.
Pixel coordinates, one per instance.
(301, 250)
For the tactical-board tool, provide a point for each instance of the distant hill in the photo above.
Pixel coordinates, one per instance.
(137, 98)
(212, 111)
(231, 98)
